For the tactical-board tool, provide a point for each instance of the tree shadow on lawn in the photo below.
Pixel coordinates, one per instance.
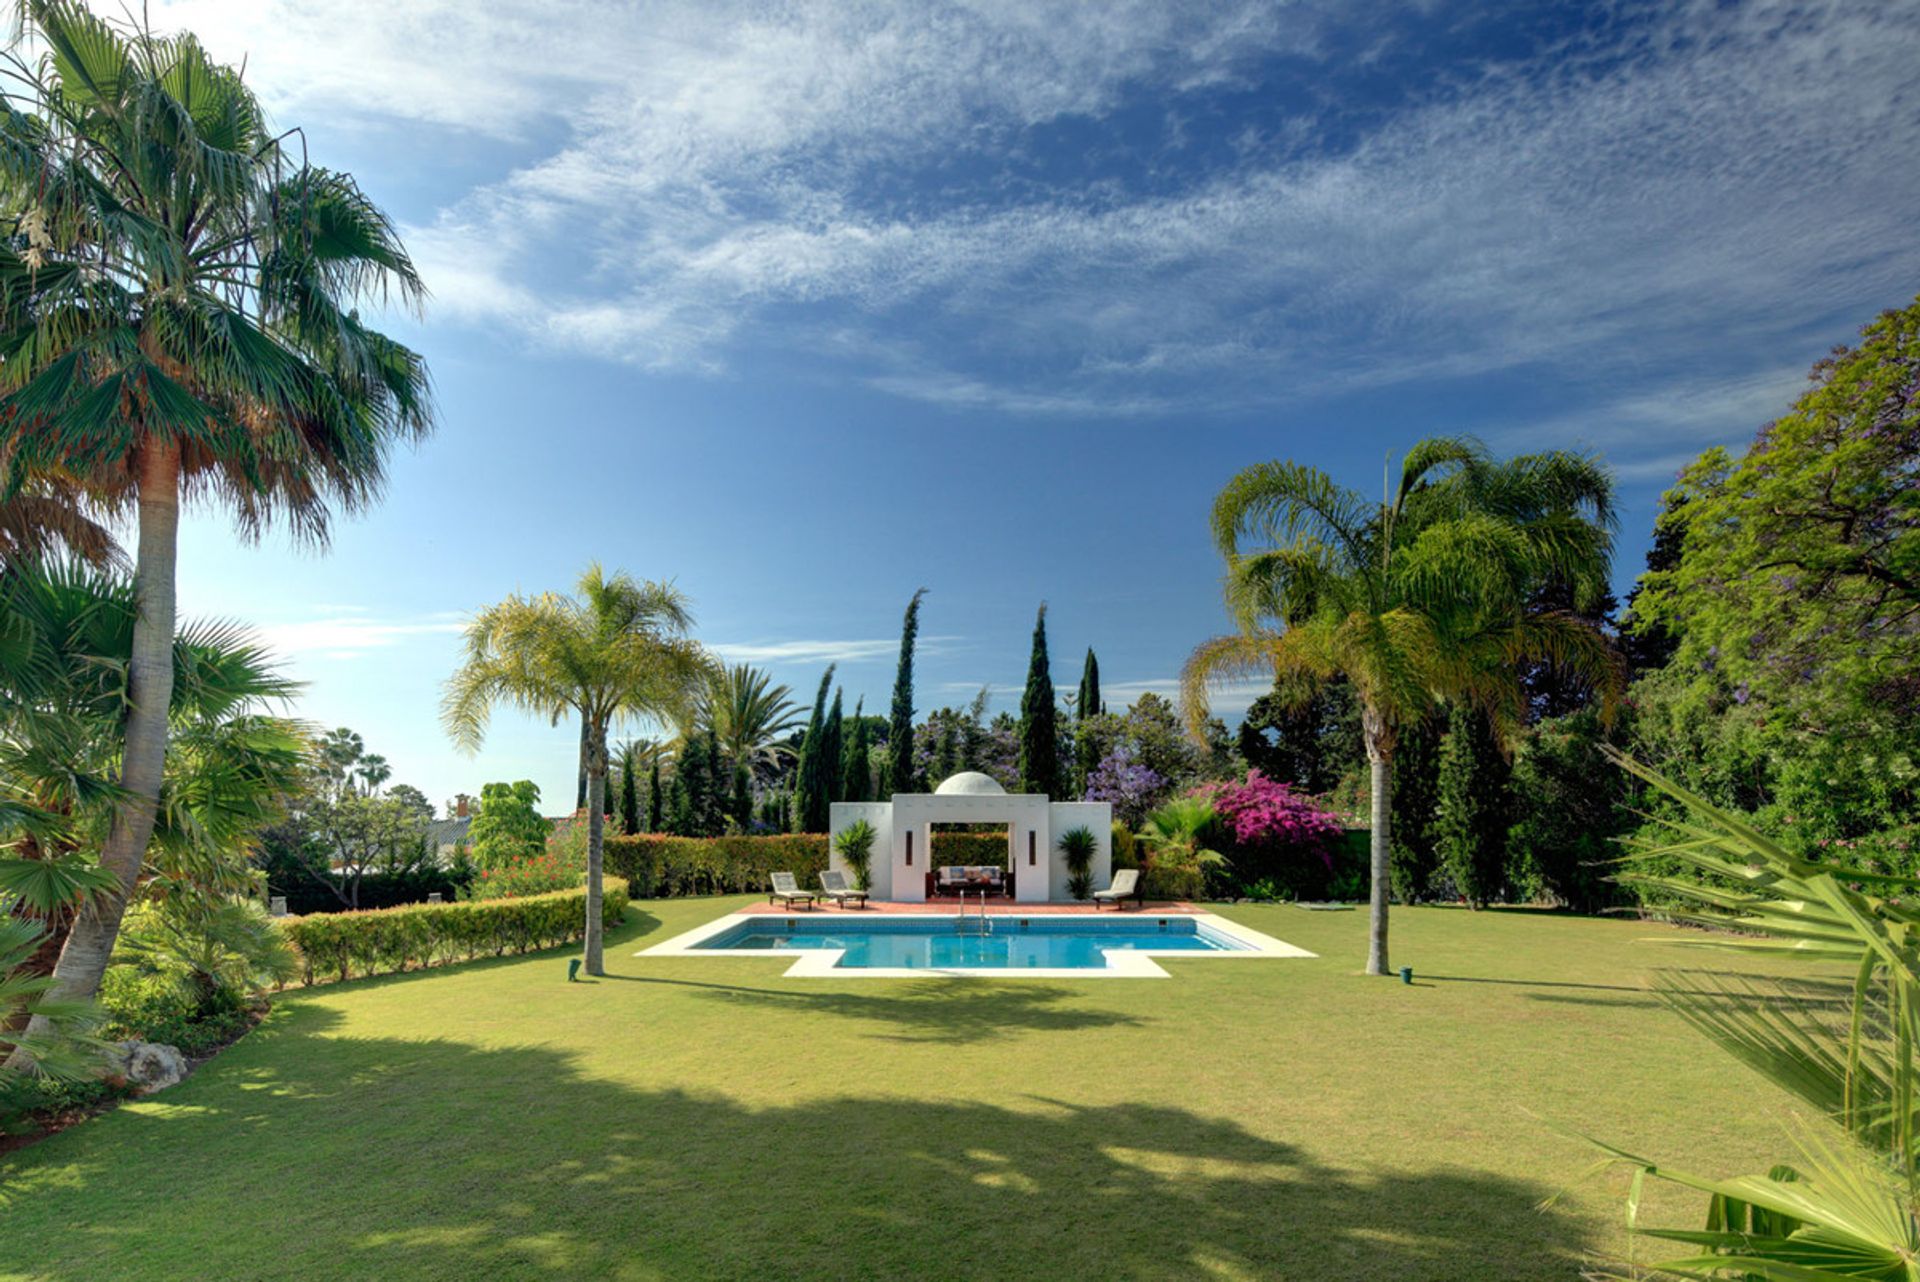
(326, 1156)
(951, 1011)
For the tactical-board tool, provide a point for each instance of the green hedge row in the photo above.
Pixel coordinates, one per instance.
(662, 867)
(346, 945)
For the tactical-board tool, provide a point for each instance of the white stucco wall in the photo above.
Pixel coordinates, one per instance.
(1064, 816)
(1034, 826)
(844, 814)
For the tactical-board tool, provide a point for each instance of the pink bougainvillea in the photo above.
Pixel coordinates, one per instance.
(1259, 812)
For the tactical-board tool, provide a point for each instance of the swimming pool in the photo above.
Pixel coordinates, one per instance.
(1006, 945)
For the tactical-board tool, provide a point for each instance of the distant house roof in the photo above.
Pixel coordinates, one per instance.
(449, 832)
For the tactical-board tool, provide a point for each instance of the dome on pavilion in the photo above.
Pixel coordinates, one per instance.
(970, 783)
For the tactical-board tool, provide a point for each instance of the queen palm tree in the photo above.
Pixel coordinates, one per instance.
(618, 650)
(1426, 596)
(178, 316)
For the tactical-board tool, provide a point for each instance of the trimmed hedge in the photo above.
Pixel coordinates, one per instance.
(663, 867)
(349, 945)
(988, 848)
(377, 890)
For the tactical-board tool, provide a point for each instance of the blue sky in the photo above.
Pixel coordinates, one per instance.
(806, 306)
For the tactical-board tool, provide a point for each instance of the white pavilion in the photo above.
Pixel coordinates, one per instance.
(904, 871)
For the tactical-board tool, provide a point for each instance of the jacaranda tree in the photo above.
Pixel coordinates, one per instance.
(179, 316)
(1424, 597)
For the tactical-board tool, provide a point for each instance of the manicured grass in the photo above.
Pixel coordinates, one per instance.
(708, 1118)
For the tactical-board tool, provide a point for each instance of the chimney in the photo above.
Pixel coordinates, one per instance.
(460, 803)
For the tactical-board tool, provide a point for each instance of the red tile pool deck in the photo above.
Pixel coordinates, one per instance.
(995, 907)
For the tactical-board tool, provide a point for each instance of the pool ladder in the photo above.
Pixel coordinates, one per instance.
(986, 923)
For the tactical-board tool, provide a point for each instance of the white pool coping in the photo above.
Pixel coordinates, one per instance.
(1122, 963)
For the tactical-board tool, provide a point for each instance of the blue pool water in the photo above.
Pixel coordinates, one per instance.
(1015, 944)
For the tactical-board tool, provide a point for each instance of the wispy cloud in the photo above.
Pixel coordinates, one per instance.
(690, 179)
(345, 632)
(823, 651)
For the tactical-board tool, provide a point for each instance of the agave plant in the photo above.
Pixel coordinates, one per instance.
(1848, 1209)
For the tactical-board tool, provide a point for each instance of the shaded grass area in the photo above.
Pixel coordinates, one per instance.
(695, 1118)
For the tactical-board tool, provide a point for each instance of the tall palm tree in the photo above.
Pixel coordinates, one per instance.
(749, 715)
(618, 650)
(178, 316)
(41, 519)
(1423, 597)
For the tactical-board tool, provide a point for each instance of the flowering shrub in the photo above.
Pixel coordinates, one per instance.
(1131, 788)
(539, 875)
(1261, 811)
(1277, 838)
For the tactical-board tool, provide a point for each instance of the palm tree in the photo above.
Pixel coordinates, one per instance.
(68, 634)
(1421, 598)
(749, 715)
(178, 316)
(618, 650)
(42, 519)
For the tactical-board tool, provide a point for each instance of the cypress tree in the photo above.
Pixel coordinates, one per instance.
(1416, 803)
(679, 818)
(1470, 828)
(656, 815)
(811, 779)
(629, 796)
(832, 748)
(713, 808)
(1089, 698)
(741, 811)
(856, 779)
(900, 733)
(1039, 729)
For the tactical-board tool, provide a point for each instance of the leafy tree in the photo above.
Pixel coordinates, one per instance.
(1792, 608)
(812, 789)
(1649, 644)
(1569, 813)
(618, 650)
(900, 732)
(1309, 744)
(1416, 808)
(181, 316)
(1429, 594)
(1800, 561)
(508, 825)
(1039, 729)
(1470, 828)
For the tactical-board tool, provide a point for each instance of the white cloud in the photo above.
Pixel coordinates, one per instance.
(1700, 186)
(822, 651)
(344, 632)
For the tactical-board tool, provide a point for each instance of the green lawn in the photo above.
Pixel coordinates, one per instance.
(698, 1118)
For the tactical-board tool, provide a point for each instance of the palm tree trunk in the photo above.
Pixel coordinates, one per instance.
(596, 762)
(89, 946)
(1380, 762)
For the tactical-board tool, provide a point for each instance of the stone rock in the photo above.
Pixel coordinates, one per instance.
(149, 1066)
